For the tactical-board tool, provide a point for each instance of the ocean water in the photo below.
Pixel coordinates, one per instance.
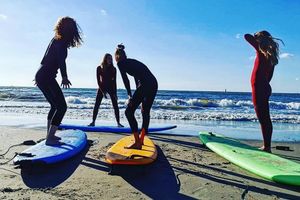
(228, 113)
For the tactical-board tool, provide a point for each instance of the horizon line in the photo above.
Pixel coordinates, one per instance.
(179, 90)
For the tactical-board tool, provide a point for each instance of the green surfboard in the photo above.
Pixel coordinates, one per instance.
(266, 165)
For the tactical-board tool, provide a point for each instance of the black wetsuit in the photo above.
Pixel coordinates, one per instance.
(107, 83)
(53, 60)
(146, 89)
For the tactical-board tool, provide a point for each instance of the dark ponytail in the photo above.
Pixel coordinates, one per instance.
(120, 53)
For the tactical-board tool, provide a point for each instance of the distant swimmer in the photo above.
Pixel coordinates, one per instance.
(266, 59)
(146, 89)
(67, 34)
(106, 79)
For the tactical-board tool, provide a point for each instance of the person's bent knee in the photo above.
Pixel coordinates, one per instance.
(62, 108)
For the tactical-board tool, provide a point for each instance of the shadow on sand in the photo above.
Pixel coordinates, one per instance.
(187, 144)
(157, 180)
(237, 183)
(50, 176)
(223, 180)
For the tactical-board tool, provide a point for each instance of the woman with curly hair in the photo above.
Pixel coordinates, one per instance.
(266, 58)
(67, 34)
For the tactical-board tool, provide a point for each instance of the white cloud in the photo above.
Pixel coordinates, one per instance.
(286, 55)
(3, 17)
(238, 36)
(103, 12)
(297, 79)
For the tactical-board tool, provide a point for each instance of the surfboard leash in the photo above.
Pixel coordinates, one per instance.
(8, 160)
(18, 154)
(26, 142)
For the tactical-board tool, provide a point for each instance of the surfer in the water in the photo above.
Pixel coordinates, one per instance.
(146, 89)
(67, 34)
(106, 78)
(266, 59)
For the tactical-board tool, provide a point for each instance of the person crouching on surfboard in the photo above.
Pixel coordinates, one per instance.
(266, 59)
(67, 34)
(146, 89)
(106, 78)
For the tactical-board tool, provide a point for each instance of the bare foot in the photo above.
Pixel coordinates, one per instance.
(56, 138)
(120, 125)
(52, 141)
(135, 146)
(263, 148)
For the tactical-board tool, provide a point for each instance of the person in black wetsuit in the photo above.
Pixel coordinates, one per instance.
(146, 89)
(67, 34)
(106, 79)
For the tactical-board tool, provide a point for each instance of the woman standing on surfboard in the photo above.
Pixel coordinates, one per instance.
(266, 59)
(67, 34)
(146, 89)
(106, 78)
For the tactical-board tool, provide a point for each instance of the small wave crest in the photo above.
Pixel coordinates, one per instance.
(200, 103)
(78, 100)
(288, 106)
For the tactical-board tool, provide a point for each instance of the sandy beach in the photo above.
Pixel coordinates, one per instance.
(227, 68)
(184, 169)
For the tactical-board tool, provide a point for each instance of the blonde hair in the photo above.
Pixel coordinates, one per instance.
(68, 30)
(268, 46)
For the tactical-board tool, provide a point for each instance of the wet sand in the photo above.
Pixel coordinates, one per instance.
(184, 169)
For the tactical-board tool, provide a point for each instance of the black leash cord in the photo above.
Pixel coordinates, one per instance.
(26, 142)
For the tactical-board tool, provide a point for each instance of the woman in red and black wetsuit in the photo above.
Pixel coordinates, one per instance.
(146, 89)
(265, 61)
(106, 78)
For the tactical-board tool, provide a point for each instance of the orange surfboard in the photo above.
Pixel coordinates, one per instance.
(119, 155)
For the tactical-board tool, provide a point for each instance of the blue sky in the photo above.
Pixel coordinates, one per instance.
(188, 45)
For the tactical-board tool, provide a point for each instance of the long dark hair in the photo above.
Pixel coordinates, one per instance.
(268, 46)
(104, 63)
(68, 30)
(120, 53)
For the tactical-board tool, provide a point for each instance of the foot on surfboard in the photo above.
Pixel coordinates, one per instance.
(265, 149)
(134, 146)
(53, 142)
(56, 138)
(120, 125)
(92, 124)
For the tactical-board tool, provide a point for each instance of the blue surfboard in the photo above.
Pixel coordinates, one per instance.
(73, 142)
(110, 129)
